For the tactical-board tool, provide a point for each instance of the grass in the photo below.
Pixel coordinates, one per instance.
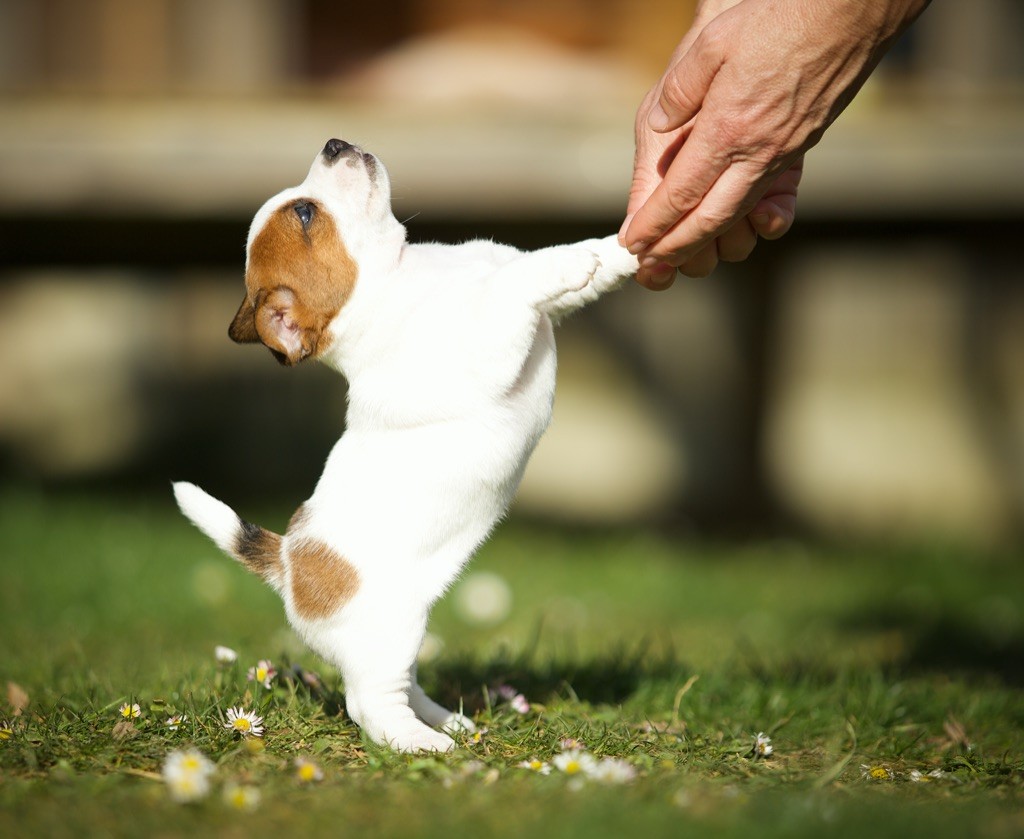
(669, 655)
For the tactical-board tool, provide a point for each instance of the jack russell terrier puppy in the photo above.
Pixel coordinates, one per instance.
(449, 354)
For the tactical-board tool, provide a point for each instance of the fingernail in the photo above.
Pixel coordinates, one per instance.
(637, 247)
(652, 263)
(657, 119)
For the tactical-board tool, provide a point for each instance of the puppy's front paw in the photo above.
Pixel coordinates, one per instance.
(576, 267)
(422, 740)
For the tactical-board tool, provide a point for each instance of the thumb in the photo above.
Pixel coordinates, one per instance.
(683, 88)
(654, 154)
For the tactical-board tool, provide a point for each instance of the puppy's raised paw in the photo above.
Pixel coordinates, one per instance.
(575, 266)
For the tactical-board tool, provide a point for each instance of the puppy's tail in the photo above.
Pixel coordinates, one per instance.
(257, 549)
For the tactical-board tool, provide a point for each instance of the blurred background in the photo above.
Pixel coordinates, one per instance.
(863, 376)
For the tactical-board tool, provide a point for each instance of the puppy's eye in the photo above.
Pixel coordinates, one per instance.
(304, 212)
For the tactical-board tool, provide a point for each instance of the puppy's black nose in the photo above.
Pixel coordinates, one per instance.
(334, 148)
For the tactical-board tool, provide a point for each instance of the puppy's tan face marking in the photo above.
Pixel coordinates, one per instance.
(299, 275)
(322, 580)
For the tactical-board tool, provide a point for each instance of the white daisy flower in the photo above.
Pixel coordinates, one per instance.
(517, 702)
(241, 797)
(876, 773)
(763, 745)
(130, 711)
(306, 771)
(613, 770)
(225, 655)
(575, 762)
(187, 774)
(263, 673)
(175, 721)
(535, 765)
(245, 723)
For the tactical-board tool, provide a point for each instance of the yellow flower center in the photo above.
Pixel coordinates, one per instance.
(186, 784)
(242, 724)
(307, 772)
(536, 765)
(572, 767)
(879, 773)
(261, 674)
(190, 764)
(5, 734)
(239, 799)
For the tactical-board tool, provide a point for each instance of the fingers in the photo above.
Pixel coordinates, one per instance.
(689, 178)
(735, 245)
(678, 235)
(774, 214)
(683, 88)
(653, 157)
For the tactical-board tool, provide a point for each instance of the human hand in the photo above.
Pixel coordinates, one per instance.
(770, 218)
(720, 139)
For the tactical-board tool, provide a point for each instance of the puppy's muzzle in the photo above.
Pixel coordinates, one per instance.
(338, 149)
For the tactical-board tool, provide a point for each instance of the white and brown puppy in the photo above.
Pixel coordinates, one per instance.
(450, 358)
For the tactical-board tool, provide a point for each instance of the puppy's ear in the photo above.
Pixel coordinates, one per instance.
(283, 325)
(243, 327)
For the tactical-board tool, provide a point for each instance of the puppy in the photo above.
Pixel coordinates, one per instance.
(450, 358)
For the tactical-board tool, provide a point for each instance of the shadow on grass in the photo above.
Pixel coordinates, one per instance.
(608, 679)
(947, 644)
(466, 682)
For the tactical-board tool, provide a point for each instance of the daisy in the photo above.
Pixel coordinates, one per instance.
(307, 771)
(187, 774)
(517, 702)
(919, 777)
(535, 765)
(130, 711)
(6, 732)
(244, 722)
(567, 744)
(763, 745)
(241, 797)
(574, 762)
(875, 773)
(225, 655)
(175, 721)
(263, 673)
(612, 770)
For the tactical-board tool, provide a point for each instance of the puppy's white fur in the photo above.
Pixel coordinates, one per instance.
(450, 357)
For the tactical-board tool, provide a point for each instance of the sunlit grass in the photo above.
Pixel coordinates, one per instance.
(670, 656)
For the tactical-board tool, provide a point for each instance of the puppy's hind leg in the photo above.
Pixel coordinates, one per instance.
(436, 715)
(378, 669)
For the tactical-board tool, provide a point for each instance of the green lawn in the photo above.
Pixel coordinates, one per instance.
(669, 655)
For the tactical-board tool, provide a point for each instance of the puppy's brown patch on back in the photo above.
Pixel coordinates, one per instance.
(297, 280)
(322, 580)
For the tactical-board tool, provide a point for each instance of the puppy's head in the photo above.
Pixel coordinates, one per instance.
(304, 252)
